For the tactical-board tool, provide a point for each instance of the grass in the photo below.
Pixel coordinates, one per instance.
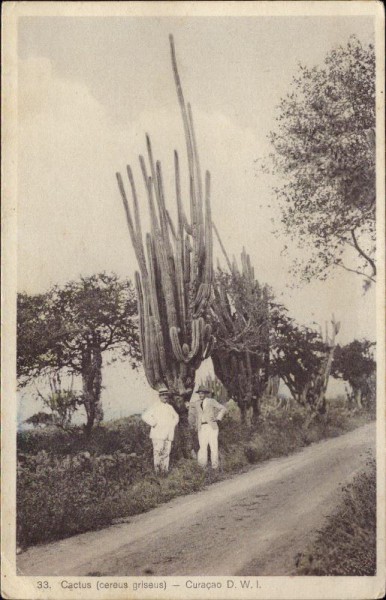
(347, 544)
(68, 484)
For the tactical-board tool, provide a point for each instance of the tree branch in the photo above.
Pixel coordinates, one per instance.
(340, 264)
(362, 253)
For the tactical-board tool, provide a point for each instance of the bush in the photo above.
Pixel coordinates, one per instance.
(347, 544)
(254, 451)
(59, 496)
(129, 435)
(233, 460)
(69, 484)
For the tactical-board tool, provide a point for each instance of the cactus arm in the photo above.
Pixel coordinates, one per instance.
(176, 344)
(197, 189)
(144, 333)
(137, 219)
(161, 348)
(171, 226)
(181, 102)
(180, 245)
(162, 208)
(154, 350)
(208, 272)
(129, 219)
(155, 226)
(195, 339)
(152, 277)
(195, 156)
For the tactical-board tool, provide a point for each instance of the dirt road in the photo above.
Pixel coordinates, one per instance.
(252, 524)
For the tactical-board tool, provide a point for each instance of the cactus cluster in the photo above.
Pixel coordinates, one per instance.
(241, 312)
(174, 282)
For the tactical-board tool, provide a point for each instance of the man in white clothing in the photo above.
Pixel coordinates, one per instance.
(162, 419)
(204, 414)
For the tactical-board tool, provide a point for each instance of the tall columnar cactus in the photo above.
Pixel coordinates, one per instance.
(320, 382)
(241, 355)
(174, 282)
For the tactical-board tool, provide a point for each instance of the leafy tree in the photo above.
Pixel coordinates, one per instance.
(34, 337)
(70, 327)
(324, 148)
(355, 364)
(300, 357)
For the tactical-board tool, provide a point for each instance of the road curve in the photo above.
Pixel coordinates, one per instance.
(251, 524)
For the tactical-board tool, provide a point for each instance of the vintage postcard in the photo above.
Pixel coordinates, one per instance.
(193, 297)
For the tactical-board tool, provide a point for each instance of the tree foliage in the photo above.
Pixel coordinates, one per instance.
(324, 149)
(355, 364)
(302, 358)
(70, 327)
(298, 356)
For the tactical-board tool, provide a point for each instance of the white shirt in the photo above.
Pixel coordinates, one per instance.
(162, 419)
(210, 412)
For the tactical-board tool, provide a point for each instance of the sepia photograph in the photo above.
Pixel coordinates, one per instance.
(193, 300)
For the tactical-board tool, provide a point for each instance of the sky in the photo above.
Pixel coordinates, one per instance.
(89, 89)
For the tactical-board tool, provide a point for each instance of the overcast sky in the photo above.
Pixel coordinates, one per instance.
(89, 89)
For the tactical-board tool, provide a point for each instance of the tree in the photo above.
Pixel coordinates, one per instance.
(70, 327)
(355, 364)
(324, 149)
(303, 359)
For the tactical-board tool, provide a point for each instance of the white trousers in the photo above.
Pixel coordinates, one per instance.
(161, 452)
(208, 436)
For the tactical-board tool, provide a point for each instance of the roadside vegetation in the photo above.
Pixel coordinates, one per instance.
(347, 544)
(69, 483)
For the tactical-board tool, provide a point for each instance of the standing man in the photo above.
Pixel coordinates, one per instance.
(204, 414)
(162, 419)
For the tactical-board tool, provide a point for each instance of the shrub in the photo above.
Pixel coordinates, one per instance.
(128, 435)
(68, 484)
(59, 496)
(234, 459)
(254, 451)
